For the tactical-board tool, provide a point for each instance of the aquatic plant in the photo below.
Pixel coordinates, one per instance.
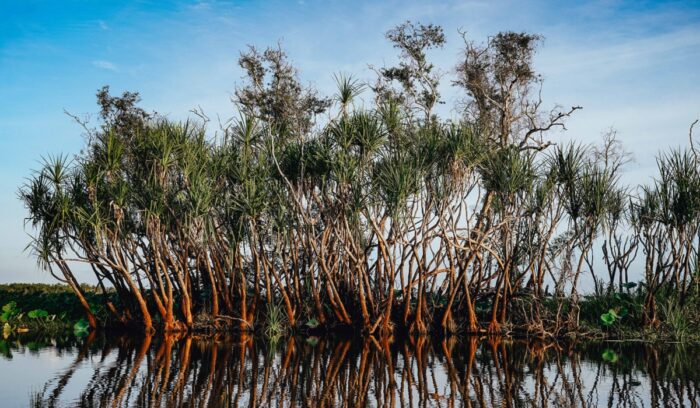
(275, 323)
(9, 311)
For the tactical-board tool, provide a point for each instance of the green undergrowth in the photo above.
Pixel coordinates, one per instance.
(44, 308)
(620, 316)
(55, 299)
(613, 315)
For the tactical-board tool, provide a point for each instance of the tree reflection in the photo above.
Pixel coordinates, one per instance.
(191, 371)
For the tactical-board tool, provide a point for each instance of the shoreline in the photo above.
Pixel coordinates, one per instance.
(63, 313)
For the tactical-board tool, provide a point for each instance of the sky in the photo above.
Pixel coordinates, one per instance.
(631, 65)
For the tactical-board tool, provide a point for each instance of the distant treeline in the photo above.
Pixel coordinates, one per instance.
(375, 215)
(56, 299)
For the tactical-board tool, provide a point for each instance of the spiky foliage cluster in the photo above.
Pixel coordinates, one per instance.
(374, 218)
(666, 222)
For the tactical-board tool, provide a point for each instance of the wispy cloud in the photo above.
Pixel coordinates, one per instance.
(627, 55)
(102, 64)
(103, 25)
(201, 6)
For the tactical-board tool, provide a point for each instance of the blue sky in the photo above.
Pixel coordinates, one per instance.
(631, 65)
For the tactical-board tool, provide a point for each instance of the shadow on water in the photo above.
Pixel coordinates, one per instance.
(326, 372)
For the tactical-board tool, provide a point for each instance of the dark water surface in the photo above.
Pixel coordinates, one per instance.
(315, 372)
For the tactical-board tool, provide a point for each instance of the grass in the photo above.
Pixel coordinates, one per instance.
(275, 323)
(677, 318)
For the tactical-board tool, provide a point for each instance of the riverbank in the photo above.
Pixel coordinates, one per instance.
(617, 316)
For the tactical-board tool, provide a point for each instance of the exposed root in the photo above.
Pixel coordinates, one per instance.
(418, 328)
(494, 328)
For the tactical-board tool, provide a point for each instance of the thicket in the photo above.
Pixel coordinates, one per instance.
(374, 215)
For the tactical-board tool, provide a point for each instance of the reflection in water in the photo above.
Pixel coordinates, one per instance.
(317, 372)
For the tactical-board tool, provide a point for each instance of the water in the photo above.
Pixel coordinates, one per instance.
(316, 372)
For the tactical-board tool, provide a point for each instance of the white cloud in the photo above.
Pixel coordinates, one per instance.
(103, 25)
(109, 66)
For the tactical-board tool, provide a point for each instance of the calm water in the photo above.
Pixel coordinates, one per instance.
(317, 372)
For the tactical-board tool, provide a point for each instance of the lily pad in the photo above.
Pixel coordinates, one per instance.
(10, 307)
(607, 318)
(38, 314)
(610, 356)
(81, 328)
(312, 324)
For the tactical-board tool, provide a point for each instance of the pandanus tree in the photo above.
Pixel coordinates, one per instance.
(508, 177)
(398, 177)
(49, 197)
(499, 82)
(138, 212)
(665, 217)
(588, 188)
